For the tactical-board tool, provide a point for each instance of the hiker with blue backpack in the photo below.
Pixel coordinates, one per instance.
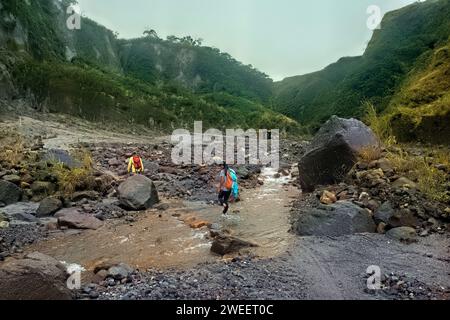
(228, 188)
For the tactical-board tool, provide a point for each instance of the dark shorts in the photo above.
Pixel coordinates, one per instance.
(224, 196)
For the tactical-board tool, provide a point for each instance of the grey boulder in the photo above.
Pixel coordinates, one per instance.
(137, 193)
(37, 277)
(403, 234)
(333, 152)
(9, 192)
(224, 244)
(71, 218)
(48, 207)
(338, 219)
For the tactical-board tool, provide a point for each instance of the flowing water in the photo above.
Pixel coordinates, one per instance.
(262, 217)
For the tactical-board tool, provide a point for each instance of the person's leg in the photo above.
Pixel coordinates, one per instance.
(227, 195)
(220, 197)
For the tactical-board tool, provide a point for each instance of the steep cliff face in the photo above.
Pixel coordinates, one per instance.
(89, 73)
(201, 69)
(39, 28)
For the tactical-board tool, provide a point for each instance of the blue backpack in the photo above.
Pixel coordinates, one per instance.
(235, 187)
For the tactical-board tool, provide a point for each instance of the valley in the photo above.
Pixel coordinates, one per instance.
(168, 248)
(357, 209)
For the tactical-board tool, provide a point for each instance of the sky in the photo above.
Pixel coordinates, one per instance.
(279, 37)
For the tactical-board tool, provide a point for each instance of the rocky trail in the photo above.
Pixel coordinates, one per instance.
(276, 243)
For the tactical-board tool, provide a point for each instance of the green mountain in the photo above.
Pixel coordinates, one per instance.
(404, 72)
(93, 74)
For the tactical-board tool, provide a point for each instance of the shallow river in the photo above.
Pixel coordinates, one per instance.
(167, 241)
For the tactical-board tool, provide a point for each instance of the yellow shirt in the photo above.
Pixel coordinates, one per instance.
(131, 167)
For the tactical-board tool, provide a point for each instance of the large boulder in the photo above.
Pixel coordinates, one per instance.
(37, 277)
(72, 218)
(9, 192)
(395, 218)
(22, 211)
(48, 207)
(341, 218)
(61, 156)
(334, 151)
(137, 193)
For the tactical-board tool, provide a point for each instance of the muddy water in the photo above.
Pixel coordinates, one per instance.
(168, 241)
(262, 217)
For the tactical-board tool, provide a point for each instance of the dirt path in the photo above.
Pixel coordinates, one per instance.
(334, 268)
(61, 131)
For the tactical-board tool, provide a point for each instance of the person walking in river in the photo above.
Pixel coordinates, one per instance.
(227, 187)
(135, 164)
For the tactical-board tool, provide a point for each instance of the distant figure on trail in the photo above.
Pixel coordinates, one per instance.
(228, 187)
(135, 164)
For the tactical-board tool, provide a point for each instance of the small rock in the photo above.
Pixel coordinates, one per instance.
(364, 197)
(403, 234)
(100, 276)
(162, 206)
(381, 228)
(404, 182)
(373, 205)
(433, 223)
(42, 188)
(4, 224)
(24, 185)
(121, 271)
(85, 195)
(198, 224)
(328, 197)
(25, 217)
(424, 233)
(12, 178)
(79, 221)
(441, 167)
(384, 213)
(226, 244)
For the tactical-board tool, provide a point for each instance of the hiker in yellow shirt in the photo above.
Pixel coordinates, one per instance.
(135, 164)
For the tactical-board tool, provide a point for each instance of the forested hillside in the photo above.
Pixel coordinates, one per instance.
(404, 72)
(93, 74)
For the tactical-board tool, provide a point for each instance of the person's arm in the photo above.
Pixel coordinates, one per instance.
(130, 163)
(220, 182)
(142, 165)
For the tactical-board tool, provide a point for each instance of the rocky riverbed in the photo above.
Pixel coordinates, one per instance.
(277, 243)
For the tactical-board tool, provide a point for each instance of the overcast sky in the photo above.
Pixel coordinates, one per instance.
(280, 37)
